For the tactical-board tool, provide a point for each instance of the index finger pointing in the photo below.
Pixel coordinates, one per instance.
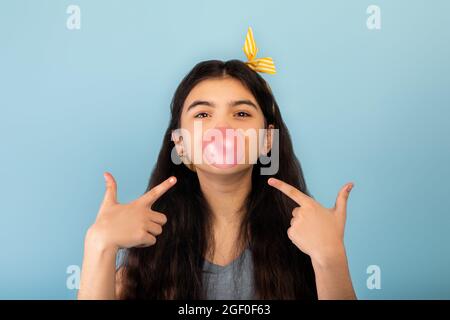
(290, 191)
(151, 196)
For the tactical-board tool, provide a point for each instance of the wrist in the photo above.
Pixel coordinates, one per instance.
(95, 240)
(332, 258)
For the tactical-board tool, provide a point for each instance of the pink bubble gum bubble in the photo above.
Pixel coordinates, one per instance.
(223, 148)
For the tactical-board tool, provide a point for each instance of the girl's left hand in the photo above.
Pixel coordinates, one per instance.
(316, 230)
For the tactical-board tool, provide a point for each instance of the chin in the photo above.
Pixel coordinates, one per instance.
(224, 169)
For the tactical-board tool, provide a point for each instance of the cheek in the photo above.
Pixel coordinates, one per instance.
(254, 143)
(187, 125)
(252, 148)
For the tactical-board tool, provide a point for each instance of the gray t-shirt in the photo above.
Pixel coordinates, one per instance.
(231, 282)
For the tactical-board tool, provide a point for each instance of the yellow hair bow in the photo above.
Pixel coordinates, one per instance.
(258, 64)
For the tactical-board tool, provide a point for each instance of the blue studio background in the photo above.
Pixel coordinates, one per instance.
(362, 105)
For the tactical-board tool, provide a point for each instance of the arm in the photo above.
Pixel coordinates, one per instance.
(118, 226)
(98, 270)
(319, 232)
(333, 279)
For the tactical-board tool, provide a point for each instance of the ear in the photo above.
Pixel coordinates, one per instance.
(177, 139)
(268, 139)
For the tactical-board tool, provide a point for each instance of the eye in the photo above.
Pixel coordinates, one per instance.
(243, 114)
(201, 115)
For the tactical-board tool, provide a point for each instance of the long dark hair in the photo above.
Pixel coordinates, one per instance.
(172, 268)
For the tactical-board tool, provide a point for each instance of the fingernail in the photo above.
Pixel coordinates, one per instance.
(105, 176)
(172, 180)
(349, 188)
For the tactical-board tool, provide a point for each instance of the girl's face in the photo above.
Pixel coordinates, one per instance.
(225, 125)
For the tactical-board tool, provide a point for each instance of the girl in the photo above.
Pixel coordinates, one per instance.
(201, 225)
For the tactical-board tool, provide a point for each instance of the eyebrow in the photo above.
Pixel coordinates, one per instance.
(233, 103)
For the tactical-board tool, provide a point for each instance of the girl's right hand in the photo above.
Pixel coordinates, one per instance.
(133, 224)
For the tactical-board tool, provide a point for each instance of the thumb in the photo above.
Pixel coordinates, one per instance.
(111, 189)
(341, 200)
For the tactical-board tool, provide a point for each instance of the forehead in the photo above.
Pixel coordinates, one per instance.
(220, 89)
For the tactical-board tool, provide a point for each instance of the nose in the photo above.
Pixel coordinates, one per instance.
(222, 126)
(223, 129)
(225, 132)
